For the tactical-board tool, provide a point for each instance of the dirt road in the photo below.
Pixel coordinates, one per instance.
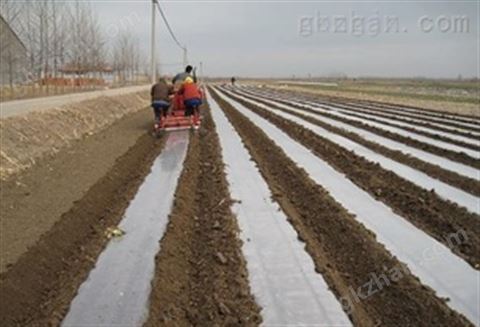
(19, 107)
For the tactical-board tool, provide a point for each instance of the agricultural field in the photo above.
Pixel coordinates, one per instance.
(454, 96)
(239, 163)
(283, 208)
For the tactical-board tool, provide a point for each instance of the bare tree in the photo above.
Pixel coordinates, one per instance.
(126, 57)
(68, 37)
(96, 53)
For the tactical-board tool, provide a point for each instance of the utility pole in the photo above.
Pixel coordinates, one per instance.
(185, 57)
(201, 71)
(153, 62)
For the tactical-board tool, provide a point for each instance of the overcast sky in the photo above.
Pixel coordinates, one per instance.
(279, 39)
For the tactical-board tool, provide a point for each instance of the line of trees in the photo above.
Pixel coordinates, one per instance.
(66, 37)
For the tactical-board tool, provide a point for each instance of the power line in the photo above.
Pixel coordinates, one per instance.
(172, 64)
(164, 17)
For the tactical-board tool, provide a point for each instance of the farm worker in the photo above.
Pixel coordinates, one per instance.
(192, 99)
(161, 94)
(233, 80)
(180, 78)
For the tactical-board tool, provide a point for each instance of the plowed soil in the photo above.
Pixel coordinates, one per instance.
(455, 114)
(356, 110)
(359, 107)
(55, 216)
(455, 156)
(34, 200)
(467, 184)
(38, 288)
(201, 278)
(343, 250)
(431, 134)
(385, 107)
(424, 123)
(423, 208)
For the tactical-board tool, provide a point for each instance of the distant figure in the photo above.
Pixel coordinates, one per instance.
(233, 80)
(180, 78)
(161, 94)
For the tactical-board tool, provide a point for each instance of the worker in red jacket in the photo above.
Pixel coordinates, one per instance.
(192, 99)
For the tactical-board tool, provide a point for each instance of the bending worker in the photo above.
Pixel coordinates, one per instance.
(192, 99)
(161, 94)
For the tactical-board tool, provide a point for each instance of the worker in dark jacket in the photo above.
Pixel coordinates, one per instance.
(161, 94)
(180, 78)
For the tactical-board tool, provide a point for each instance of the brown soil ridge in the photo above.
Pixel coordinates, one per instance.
(426, 121)
(382, 111)
(38, 288)
(201, 277)
(423, 208)
(452, 155)
(469, 185)
(343, 250)
(431, 134)
(37, 197)
(403, 118)
(464, 118)
(358, 106)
